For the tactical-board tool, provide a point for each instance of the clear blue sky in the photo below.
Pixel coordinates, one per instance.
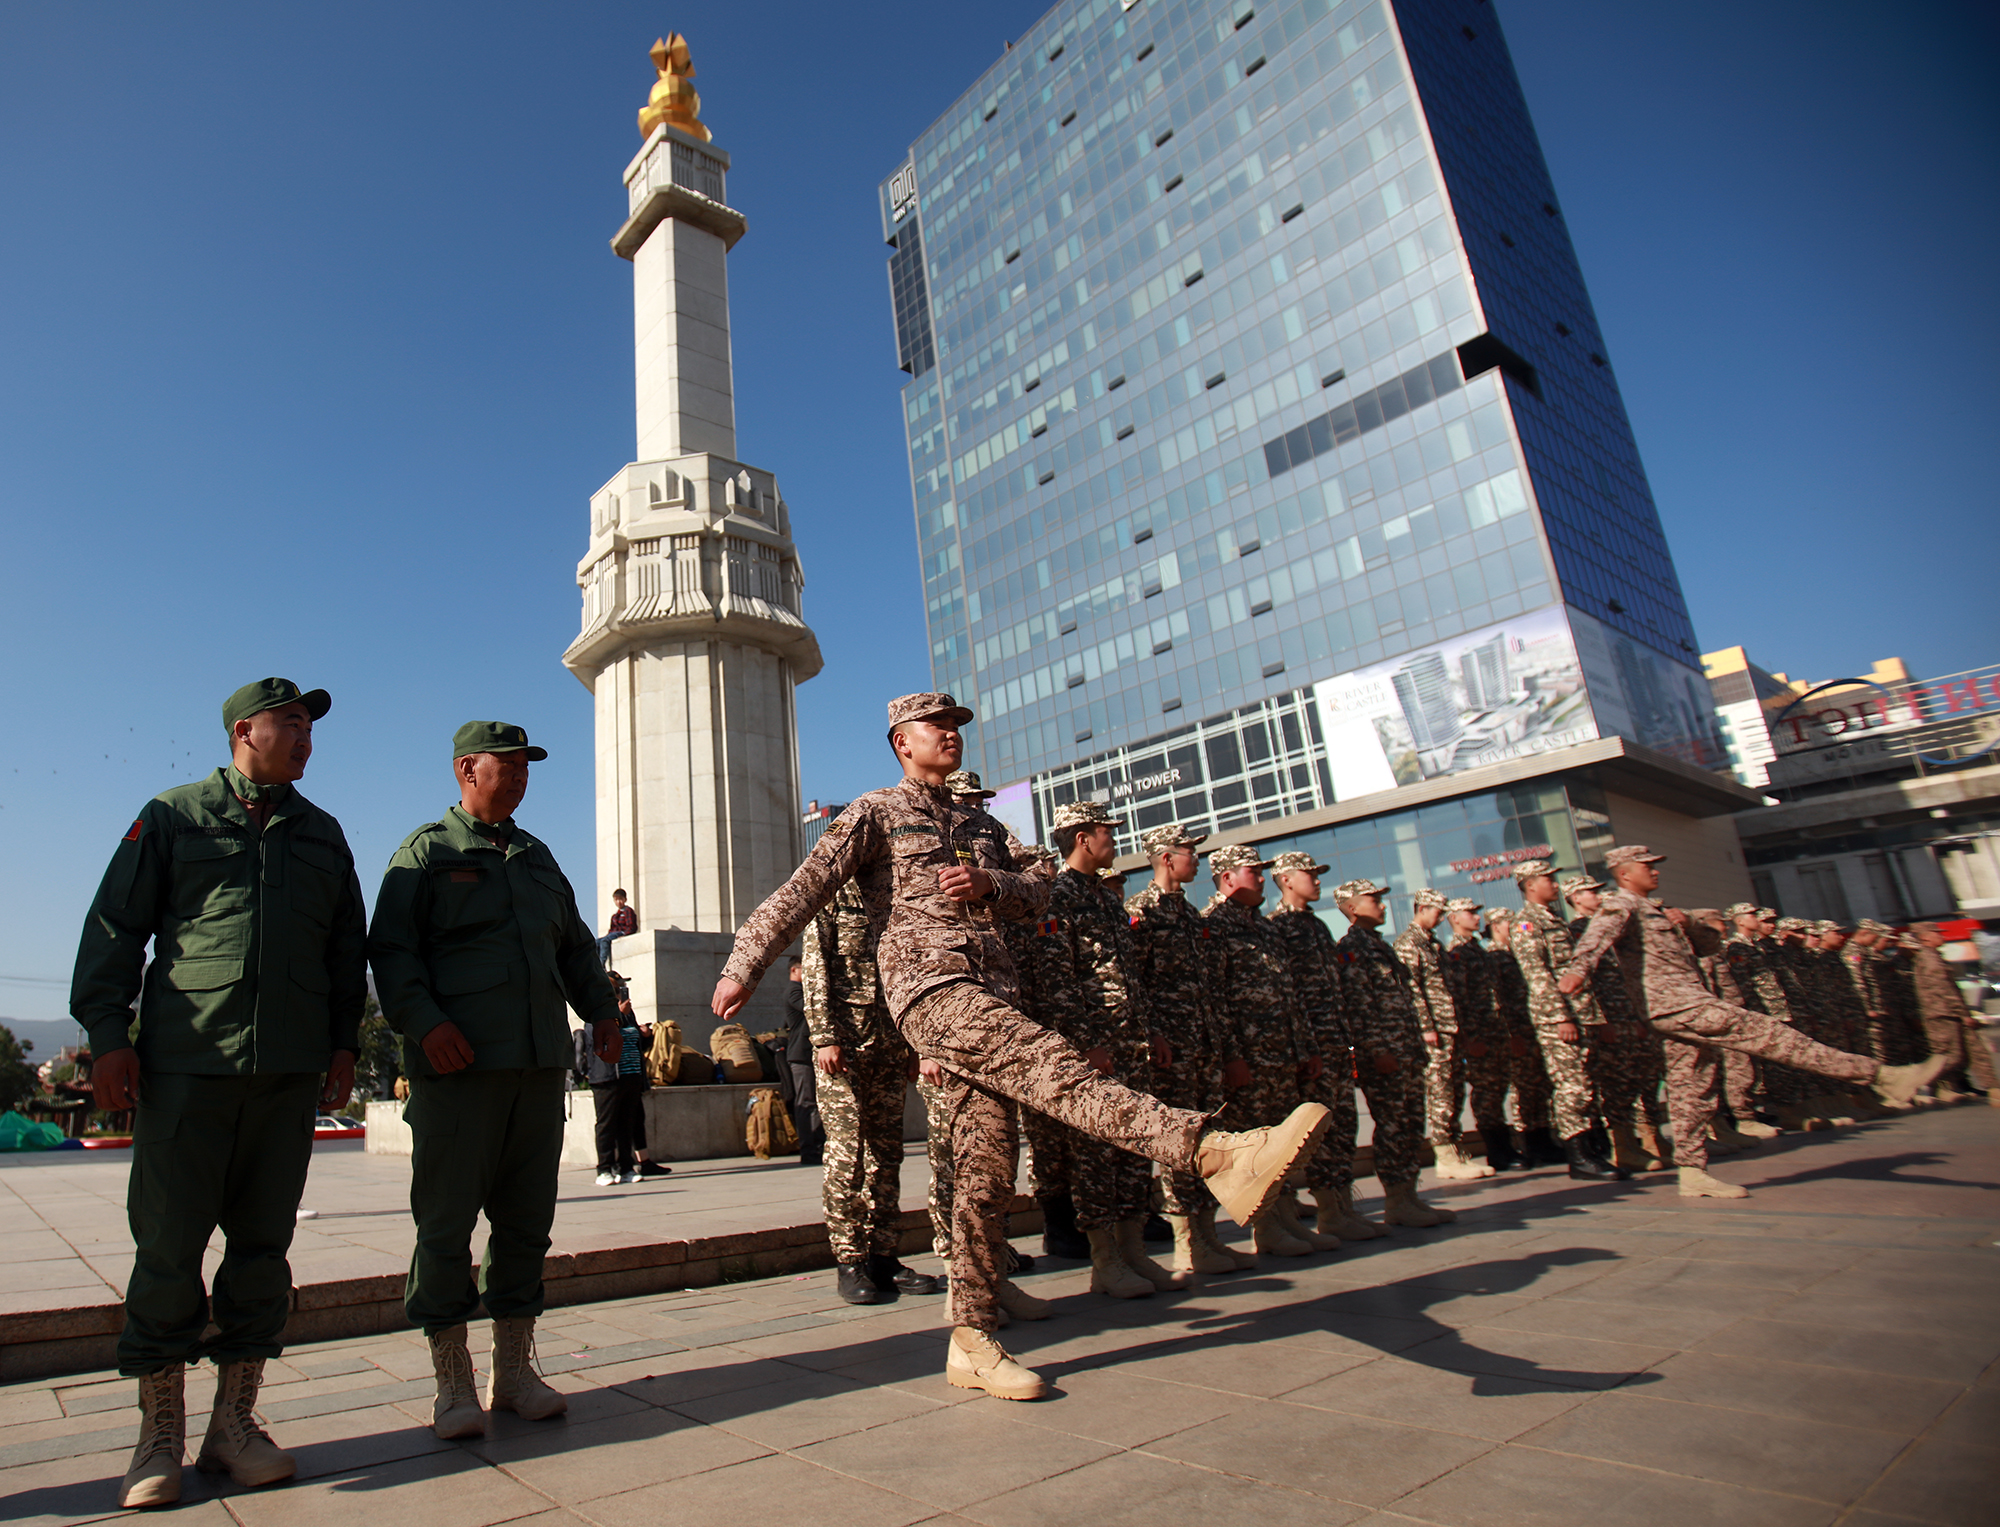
(313, 349)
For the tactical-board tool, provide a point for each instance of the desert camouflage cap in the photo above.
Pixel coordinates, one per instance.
(1500, 915)
(1463, 904)
(1528, 869)
(1292, 860)
(1085, 814)
(963, 782)
(1739, 909)
(1157, 840)
(1792, 925)
(1347, 890)
(1033, 853)
(1871, 925)
(1111, 872)
(1769, 914)
(1237, 856)
(1571, 884)
(1430, 898)
(1631, 853)
(927, 707)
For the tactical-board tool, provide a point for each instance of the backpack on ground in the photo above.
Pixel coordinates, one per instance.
(735, 1054)
(767, 1127)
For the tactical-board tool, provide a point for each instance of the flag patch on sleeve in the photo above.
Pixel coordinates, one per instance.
(132, 833)
(1048, 926)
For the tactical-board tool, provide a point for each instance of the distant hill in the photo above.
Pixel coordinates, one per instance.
(46, 1035)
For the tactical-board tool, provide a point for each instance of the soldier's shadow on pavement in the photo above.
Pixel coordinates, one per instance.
(1892, 1168)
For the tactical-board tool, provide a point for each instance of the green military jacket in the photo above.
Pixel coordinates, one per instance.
(258, 937)
(488, 938)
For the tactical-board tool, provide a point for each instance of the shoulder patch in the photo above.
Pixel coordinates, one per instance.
(1133, 919)
(1048, 926)
(133, 832)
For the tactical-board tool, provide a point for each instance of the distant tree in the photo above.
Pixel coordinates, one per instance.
(378, 1065)
(18, 1081)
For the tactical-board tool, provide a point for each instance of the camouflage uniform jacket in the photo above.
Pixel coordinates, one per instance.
(843, 991)
(1252, 967)
(1419, 952)
(1315, 976)
(1650, 949)
(1081, 957)
(1170, 958)
(1832, 990)
(1616, 998)
(892, 843)
(1468, 972)
(1755, 978)
(1542, 947)
(1788, 958)
(1937, 994)
(1864, 977)
(1380, 1012)
(1713, 963)
(1510, 991)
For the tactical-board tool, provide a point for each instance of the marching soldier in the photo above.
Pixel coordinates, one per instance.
(1482, 1046)
(1542, 949)
(1532, 1094)
(935, 875)
(1624, 1057)
(246, 891)
(1198, 1059)
(478, 948)
(1444, 1068)
(1954, 1035)
(864, 1069)
(1253, 983)
(1316, 979)
(1390, 1052)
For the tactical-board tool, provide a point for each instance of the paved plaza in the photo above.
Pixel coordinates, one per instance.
(1592, 1354)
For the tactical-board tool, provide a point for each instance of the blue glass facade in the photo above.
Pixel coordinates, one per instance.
(1247, 352)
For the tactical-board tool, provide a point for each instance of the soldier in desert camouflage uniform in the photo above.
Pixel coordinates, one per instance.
(1904, 1025)
(1253, 984)
(1315, 966)
(1736, 1126)
(1082, 955)
(1390, 1053)
(1652, 948)
(1751, 950)
(935, 876)
(1533, 1096)
(1482, 1044)
(1200, 1061)
(1954, 1035)
(1444, 1067)
(1563, 1022)
(1624, 1056)
(864, 1070)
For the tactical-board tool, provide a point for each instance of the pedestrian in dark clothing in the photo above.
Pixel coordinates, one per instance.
(799, 1061)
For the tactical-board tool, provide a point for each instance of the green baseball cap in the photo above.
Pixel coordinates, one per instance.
(493, 737)
(269, 694)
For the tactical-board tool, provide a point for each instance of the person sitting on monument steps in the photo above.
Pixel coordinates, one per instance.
(935, 874)
(1649, 945)
(246, 891)
(477, 944)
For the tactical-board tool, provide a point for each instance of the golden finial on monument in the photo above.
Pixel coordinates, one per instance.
(673, 100)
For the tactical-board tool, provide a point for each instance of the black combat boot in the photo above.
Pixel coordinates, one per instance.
(1500, 1153)
(853, 1284)
(1060, 1237)
(1540, 1149)
(893, 1278)
(1018, 1262)
(1591, 1164)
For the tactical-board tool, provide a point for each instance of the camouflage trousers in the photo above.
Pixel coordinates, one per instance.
(1572, 1098)
(1626, 1066)
(1739, 1029)
(1979, 1068)
(1489, 1077)
(1533, 1094)
(1272, 1093)
(1192, 1083)
(1107, 1184)
(1051, 1153)
(1332, 1164)
(991, 1055)
(1739, 1082)
(863, 1188)
(1694, 1076)
(1946, 1037)
(938, 1146)
(1444, 1090)
(1396, 1109)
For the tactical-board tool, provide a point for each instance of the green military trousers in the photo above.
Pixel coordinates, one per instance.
(484, 1141)
(209, 1152)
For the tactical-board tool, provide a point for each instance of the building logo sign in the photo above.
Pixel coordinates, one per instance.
(1499, 866)
(902, 192)
(1145, 784)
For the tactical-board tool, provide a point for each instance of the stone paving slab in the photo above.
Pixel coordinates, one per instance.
(1566, 1355)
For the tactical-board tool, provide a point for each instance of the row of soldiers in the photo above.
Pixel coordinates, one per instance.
(1246, 1013)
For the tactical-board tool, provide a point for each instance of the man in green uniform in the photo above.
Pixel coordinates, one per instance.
(246, 891)
(477, 945)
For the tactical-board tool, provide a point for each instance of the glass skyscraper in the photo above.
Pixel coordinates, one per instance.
(1265, 453)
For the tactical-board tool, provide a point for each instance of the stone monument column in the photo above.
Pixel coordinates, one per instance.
(693, 634)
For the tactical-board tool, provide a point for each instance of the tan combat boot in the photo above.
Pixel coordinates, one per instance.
(1757, 1129)
(1244, 1170)
(1017, 1303)
(976, 1361)
(1286, 1208)
(1269, 1235)
(1455, 1166)
(1108, 1272)
(455, 1413)
(1190, 1256)
(1897, 1085)
(513, 1384)
(1131, 1237)
(1206, 1235)
(236, 1444)
(1337, 1216)
(1695, 1183)
(154, 1479)
(1650, 1141)
(1401, 1206)
(1725, 1141)
(1627, 1154)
